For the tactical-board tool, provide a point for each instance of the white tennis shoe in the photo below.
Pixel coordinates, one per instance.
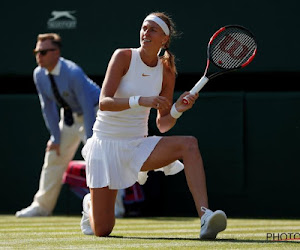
(85, 220)
(119, 206)
(212, 223)
(32, 211)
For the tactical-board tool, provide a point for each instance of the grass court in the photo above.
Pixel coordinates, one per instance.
(63, 232)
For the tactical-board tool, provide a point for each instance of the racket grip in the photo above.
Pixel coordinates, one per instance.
(197, 87)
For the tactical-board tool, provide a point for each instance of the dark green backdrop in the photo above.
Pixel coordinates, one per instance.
(103, 26)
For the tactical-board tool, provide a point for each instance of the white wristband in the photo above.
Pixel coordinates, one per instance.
(134, 101)
(174, 112)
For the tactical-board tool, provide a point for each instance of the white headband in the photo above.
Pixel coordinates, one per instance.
(160, 22)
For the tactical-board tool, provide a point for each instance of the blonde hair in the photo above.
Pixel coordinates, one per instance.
(55, 38)
(168, 58)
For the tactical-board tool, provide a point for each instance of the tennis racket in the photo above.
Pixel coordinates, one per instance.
(230, 48)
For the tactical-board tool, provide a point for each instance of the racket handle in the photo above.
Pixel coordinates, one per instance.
(198, 86)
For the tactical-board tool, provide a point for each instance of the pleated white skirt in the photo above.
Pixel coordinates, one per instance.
(116, 162)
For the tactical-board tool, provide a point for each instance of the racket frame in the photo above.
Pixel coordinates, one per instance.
(204, 79)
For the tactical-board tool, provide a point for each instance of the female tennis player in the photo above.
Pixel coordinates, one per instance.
(120, 153)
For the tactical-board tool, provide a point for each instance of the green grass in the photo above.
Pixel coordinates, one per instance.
(63, 232)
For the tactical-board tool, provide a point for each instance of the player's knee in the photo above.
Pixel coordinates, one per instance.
(191, 143)
(103, 226)
(103, 231)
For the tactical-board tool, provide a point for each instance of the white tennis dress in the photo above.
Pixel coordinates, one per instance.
(119, 146)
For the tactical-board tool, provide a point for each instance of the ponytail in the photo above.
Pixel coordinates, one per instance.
(168, 59)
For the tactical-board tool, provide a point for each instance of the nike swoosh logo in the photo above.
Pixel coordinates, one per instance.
(145, 75)
(203, 224)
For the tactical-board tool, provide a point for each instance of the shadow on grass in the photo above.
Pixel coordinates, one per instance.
(216, 240)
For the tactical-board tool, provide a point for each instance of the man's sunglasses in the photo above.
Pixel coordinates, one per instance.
(43, 52)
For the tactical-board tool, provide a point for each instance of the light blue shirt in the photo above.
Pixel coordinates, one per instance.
(74, 86)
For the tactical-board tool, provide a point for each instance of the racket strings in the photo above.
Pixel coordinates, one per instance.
(232, 48)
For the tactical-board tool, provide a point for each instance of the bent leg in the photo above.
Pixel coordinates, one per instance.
(186, 148)
(102, 212)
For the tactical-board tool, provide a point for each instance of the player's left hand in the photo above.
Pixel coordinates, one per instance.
(181, 107)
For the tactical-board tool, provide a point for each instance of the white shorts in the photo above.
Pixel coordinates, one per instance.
(116, 162)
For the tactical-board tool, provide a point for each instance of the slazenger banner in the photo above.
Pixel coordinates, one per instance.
(62, 20)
